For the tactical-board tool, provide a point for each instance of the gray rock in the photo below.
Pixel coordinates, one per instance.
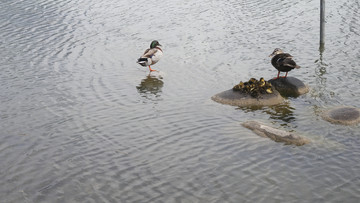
(236, 98)
(289, 86)
(275, 134)
(342, 115)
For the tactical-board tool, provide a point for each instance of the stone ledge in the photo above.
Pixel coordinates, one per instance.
(275, 134)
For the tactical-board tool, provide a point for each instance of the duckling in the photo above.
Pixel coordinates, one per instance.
(269, 90)
(252, 80)
(283, 62)
(262, 82)
(254, 94)
(151, 56)
(241, 85)
(254, 88)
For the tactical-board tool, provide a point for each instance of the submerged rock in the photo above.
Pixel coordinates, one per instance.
(289, 86)
(342, 115)
(275, 134)
(237, 98)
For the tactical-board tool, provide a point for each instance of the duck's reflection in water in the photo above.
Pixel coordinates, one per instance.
(281, 112)
(150, 87)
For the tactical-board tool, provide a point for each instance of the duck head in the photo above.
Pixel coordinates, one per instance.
(154, 44)
(275, 52)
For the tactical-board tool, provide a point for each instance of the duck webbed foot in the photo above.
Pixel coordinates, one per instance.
(151, 70)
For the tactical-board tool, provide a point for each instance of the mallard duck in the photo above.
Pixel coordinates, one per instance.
(283, 62)
(152, 55)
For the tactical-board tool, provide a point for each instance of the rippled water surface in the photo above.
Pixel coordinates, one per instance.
(82, 122)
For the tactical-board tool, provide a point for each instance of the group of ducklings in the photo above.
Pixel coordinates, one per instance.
(254, 87)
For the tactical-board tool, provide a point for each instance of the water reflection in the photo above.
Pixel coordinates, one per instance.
(150, 86)
(320, 92)
(321, 67)
(281, 112)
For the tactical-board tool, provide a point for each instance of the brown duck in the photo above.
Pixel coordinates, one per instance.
(283, 62)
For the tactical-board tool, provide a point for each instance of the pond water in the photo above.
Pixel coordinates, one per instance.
(82, 122)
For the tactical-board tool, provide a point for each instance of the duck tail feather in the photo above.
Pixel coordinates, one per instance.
(142, 61)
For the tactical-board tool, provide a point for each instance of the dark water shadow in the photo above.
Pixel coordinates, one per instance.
(150, 87)
(282, 113)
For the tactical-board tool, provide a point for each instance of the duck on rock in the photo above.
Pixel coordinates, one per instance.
(283, 62)
(151, 56)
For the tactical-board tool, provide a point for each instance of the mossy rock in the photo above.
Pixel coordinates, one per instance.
(236, 98)
(342, 115)
(289, 86)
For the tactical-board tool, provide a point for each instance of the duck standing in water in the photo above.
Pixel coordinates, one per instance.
(283, 62)
(152, 55)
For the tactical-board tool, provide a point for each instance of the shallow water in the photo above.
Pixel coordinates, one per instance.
(82, 122)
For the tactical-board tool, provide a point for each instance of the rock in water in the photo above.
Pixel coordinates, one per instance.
(251, 93)
(236, 98)
(275, 134)
(289, 86)
(342, 115)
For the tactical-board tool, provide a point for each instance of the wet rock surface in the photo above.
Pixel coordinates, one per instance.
(275, 134)
(342, 115)
(289, 86)
(236, 98)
